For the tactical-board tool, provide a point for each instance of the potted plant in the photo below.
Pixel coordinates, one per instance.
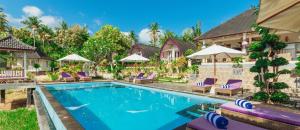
(237, 66)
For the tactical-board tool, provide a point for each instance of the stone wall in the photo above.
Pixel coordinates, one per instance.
(225, 71)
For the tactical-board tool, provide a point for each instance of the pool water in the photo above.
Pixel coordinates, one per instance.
(117, 106)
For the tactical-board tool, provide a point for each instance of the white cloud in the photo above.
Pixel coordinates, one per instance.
(126, 33)
(187, 30)
(14, 21)
(51, 21)
(145, 35)
(97, 22)
(32, 11)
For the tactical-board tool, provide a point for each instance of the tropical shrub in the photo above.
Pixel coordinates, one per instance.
(53, 65)
(265, 52)
(188, 52)
(261, 96)
(237, 62)
(53, 75)
(36, 66)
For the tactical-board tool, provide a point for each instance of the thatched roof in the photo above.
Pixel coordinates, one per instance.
(182, 45)
(13, 44)
(147, 50)
(239, 24)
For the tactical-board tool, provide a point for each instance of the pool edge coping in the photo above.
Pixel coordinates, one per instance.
(66, 118)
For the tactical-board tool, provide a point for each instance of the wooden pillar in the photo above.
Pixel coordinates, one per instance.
(2, 93)
(25, 64)
(203, 44)
(244, 43)
(29, 96)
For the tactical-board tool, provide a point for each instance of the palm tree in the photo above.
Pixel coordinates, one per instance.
(34, 24)
(132, 37)
(61, 33)
(45, 33)
(168, 34)
(3, 21)
(154, 30)
(197, 30)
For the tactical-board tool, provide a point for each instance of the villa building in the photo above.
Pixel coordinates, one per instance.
(237, 33)
(12, 45)
(144, 50)
(174, 48)
(35, 57)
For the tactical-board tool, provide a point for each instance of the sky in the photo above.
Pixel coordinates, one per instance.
(136, 15)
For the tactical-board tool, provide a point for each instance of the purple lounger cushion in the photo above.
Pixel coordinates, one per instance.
(65, 75)
(82, 74)
(234, 84)
(267, 113)
(203, 124)
(208, 82)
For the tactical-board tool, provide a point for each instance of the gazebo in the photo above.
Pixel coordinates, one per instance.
(73, 57)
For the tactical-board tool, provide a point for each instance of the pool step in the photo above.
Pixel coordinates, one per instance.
(197, 110)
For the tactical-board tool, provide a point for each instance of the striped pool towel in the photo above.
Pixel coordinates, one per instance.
(225, 86)
(243, 103)
(216, 120)
(200, 84)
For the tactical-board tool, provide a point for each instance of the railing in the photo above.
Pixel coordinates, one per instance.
(11, 73)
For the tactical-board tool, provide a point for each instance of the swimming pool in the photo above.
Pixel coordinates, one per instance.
(112, 105)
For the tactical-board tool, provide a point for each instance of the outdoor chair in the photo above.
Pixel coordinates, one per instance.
(144, 80)
(234, 87)
(263, 116)
(204, 86)
(83, 76)
(131, 78)
(66, 77)
(203, 124)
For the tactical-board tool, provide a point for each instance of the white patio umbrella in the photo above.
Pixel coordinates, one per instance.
(134, 58)
(216, 51)
(74, 57)
(280, 14)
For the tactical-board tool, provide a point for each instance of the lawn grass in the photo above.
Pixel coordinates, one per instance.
(173, 80)
(19, 119)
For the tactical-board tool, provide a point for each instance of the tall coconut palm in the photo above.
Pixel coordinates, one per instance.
(61, 33)
(45, 33)
(154, 30)
(3, 21)
(167, 34)
(197, 30)
(34, 24)
(132, 37)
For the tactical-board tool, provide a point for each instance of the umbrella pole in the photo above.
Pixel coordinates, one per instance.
(215, 68)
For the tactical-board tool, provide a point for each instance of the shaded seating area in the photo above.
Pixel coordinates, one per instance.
(265, 117)
(204, 86)
(234, 87)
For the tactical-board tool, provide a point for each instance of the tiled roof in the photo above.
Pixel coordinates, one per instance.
(11, 43)
(239, 24)
(33, 55)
